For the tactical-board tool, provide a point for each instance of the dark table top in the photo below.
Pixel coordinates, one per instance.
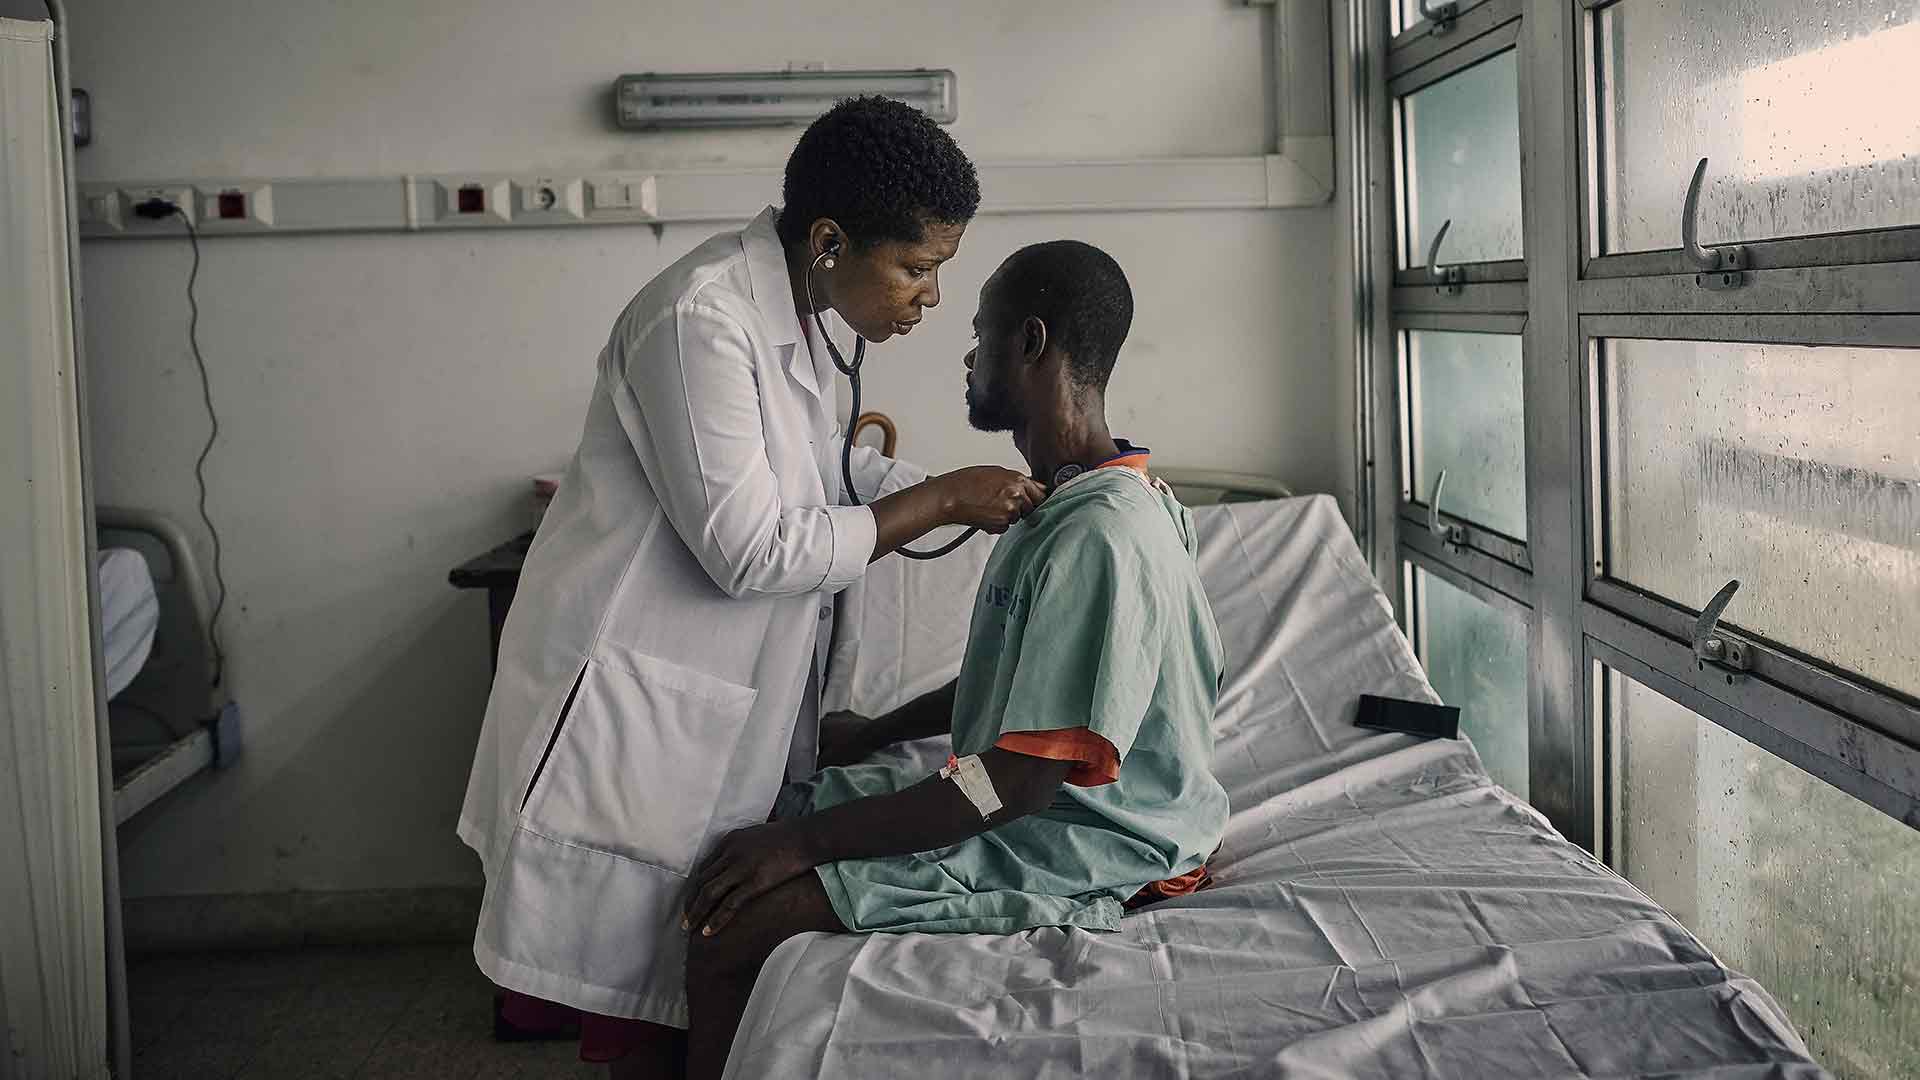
(501, 566)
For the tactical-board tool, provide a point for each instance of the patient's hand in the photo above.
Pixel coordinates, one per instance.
(747, 863)
(847, 737)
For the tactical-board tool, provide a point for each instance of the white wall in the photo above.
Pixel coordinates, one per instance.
(384, 397)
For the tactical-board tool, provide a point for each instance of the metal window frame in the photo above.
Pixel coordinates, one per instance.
(1488, 580)
(1419, 43)
(1880, 771)
(1374, 200)
(1852, 271)
(1464, 54)
(1496, 298)
(1537, 292)
(1875, 289)
(1823, 684)
(1564, 756)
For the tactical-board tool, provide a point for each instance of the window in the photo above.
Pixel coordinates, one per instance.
(1462, 162)
(1787, 879)
(1804, 111)
(1465, 419)
(1795, 468)
(1458, 311)
(1673, 571)
(1475, 653)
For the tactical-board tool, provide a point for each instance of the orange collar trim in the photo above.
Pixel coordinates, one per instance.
(1136, 462)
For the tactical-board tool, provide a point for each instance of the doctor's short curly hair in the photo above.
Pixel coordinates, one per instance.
(880, 168)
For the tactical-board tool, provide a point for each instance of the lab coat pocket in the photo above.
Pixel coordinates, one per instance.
(637, 763)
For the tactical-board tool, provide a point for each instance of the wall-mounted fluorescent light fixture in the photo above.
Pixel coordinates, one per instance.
(772, 98)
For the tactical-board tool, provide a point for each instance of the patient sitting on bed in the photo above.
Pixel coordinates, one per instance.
(1080, 717)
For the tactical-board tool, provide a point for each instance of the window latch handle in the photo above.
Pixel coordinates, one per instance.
(1722, 267)
(1446, 279)
(1439, 16)
(1713, 646)
(1449, 533)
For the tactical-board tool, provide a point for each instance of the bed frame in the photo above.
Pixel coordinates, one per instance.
(172, 721)
(1206, 487)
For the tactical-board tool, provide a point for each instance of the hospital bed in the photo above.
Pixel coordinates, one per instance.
(168, 720)
(1381, 908)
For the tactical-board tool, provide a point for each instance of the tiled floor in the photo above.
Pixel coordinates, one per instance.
(420, 1011)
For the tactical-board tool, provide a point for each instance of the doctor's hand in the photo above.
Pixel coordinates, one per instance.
(746, 863)
(988, 497)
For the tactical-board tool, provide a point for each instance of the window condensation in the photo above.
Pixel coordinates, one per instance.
(1786, 878)
(1791, 468)
(1804, 108)
(1467, 418)
(1476, 658)
(1461, 158)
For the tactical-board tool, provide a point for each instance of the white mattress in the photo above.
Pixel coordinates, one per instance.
(1382, 909)
(129, 614)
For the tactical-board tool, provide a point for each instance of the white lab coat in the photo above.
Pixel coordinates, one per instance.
(680, 591)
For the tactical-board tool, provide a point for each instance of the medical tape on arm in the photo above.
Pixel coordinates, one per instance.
(969, 774)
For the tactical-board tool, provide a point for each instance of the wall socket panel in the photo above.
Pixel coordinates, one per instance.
(468, 201)
(374, 204)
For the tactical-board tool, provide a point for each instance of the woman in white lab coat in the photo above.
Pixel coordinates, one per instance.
(658, 674)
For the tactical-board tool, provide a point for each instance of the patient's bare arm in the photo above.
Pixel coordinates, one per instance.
(847, 737)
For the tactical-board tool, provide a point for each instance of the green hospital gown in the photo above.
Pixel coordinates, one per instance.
(1090, 612)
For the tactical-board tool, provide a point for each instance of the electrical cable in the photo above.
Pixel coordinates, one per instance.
(852, 372)
(160, 208)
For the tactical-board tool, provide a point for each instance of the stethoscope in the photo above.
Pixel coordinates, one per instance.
(852, 372)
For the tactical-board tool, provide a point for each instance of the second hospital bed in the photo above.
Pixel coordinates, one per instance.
(1381, 908)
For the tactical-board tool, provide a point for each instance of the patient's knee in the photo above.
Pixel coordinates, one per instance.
(737, 952)
(723, 957)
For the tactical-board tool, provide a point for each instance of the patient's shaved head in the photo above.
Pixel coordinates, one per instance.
(1081, 295)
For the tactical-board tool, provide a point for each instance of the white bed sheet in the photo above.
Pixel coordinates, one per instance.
(1382, 909)
(129, 615)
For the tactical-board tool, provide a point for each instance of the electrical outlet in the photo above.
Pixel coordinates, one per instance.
(181, 197)
(546, 199)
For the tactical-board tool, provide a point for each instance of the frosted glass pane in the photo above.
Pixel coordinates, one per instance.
(1467, 419)
(1463, 160)
(1805, 109)
(1791, 468)
(1786, 879)
(1476, 658)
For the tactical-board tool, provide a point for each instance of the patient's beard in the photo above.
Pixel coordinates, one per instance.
(994, 410)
